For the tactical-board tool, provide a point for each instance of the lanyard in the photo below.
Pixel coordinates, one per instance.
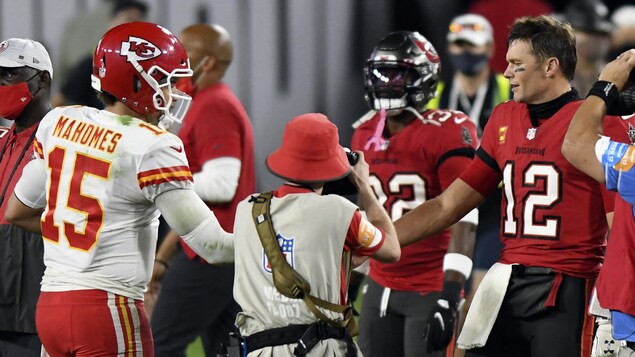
(17, 163)
(474, 110)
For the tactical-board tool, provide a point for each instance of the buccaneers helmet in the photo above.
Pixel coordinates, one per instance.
(138, 63)
(402, 71)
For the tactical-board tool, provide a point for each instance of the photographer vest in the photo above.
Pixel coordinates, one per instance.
(311, 230)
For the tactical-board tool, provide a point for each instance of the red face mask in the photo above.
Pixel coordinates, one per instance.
(14, 99)
(186, 86)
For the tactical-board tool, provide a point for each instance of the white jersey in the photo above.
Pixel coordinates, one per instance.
(104, 173)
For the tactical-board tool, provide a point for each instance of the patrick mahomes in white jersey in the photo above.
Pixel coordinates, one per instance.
(105, 171)
(97, 184)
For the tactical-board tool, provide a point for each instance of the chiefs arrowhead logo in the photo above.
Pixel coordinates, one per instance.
(139, 49)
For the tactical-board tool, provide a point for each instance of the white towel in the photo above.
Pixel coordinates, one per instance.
(485, 307)
(383, 305)
(595, 308)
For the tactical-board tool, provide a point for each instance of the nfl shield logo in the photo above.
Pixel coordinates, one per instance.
(286, 246)
(531, 133)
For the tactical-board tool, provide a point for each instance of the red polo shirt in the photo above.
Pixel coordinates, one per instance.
(13, 147)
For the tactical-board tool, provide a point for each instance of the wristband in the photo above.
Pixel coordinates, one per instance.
(458, 262)
(162, 262)
(606, 91)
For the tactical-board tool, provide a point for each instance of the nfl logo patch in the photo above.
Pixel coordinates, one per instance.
(286, 246)
(531, 133)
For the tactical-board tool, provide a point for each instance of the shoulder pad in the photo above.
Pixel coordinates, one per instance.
(368, 116)
(440, 116)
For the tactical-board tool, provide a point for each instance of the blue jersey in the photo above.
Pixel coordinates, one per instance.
(618, 160)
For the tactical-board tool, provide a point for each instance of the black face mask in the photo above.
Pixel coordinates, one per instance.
(468, 63)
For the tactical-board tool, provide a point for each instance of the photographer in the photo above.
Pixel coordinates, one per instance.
(317, 235)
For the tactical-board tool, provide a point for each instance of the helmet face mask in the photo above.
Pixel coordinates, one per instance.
(171, 101)
(138, 63)
(390, 84)
(402, 71)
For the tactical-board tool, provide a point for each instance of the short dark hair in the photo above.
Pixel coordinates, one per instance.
(121, 5)
(106, 98)
(548, 38)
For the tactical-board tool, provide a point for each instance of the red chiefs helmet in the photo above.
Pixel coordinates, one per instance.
(138, 63)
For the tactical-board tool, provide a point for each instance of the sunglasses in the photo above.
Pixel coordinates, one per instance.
(454, 27)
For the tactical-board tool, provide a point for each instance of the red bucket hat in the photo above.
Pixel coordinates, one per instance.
(310, 151)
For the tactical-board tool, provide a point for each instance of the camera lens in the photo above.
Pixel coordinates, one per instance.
(352, 158)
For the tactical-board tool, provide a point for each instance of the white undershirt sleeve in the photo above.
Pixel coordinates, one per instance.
(31, 188)
(197, 225)
(601, 146)
(218, 179)
(471, 217)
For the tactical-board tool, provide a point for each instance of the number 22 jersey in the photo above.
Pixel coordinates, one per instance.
(416, 164)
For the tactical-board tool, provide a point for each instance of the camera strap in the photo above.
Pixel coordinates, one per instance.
(288, 281)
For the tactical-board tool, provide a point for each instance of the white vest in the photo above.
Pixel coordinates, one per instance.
(312, 230)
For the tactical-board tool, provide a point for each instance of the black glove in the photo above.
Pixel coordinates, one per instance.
(442, 318)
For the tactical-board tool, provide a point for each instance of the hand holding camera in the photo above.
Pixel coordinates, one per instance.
(346, 186)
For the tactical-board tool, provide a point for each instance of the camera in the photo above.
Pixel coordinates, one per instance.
(343, 186)
(352, 156)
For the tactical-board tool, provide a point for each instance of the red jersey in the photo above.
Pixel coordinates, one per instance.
(617, 276)
(552, 214)
(417, 164)
(13, 147)
(216, 125)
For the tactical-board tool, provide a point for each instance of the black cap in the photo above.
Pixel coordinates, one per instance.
(121, 5)
(588, 16)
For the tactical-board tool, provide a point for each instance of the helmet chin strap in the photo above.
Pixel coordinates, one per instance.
(165, 122)
(418, 115)
(376, 141)
(414, 111)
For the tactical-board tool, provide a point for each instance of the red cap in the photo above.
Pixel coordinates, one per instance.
(310, 151)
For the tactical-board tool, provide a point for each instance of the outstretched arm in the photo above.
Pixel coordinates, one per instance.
(585, 129)
(188, 215)
(390, 250)
(437, 214)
